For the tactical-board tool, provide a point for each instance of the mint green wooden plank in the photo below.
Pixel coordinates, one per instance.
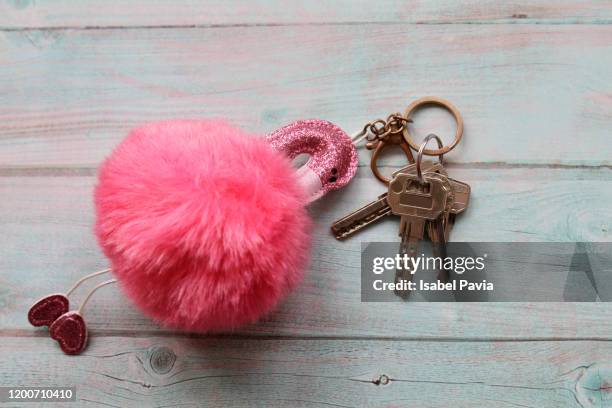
(65, 13)
(166, 371)
(529, 93)
(47, 243)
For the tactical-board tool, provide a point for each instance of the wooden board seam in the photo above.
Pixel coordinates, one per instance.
(86, 171)
(512, 20)
(105, 333)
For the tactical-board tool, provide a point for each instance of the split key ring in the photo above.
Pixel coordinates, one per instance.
(434, 100)
(419, 160)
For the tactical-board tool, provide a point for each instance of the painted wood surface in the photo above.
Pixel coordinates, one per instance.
(223, 372)
(533, 82)
(17, 14)
(530, 94)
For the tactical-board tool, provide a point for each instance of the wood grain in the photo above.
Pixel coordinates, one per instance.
(533, 81)
(47, 243)
(530, 94)
(17, 14)
(162, 371)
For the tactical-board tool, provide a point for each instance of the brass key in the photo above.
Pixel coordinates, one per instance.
(359, 219)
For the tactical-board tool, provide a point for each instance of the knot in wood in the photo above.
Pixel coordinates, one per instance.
(162, 360)
(383, 379)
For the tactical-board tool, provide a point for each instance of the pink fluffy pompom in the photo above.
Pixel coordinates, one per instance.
(204, 225)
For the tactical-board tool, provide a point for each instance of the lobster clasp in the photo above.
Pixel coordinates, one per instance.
(383, 133)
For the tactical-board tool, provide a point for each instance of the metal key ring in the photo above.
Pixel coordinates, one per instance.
(419, 159)
(433, 100)
(379, 148)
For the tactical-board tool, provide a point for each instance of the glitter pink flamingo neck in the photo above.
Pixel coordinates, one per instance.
(333, 157)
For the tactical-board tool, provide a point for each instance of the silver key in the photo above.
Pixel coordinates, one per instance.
(436, 229)
(372, 212)
(361, 218)
(439, 230)
(462, 193)
(432, 227)
(416, 204)
(427, 166)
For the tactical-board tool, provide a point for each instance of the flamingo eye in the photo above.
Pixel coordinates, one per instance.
(333, 177)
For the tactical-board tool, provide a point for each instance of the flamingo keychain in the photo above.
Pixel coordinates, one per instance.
(205, 226)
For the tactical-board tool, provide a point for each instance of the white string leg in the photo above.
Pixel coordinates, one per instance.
(92, 291)
(84, 278)
(358, 137)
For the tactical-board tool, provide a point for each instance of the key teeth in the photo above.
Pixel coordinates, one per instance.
(372, 212)
(359, 224)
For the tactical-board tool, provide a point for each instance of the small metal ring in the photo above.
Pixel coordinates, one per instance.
(378, 130)
(420, 155)
(433, 100)
(370, 137)
(374, 159)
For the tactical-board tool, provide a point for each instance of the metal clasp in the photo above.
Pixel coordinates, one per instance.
(382, 133)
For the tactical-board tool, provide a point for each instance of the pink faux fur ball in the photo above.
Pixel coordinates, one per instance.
(204, 225)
